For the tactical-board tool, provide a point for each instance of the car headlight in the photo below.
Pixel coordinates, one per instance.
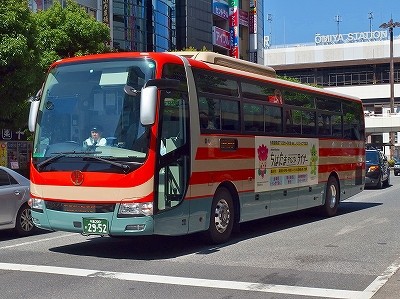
(135, 209)
(36, 204)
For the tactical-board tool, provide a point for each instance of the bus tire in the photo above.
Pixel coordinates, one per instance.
(332, 198)
(221, 217)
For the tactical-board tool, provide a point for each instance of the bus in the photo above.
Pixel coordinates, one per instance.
(192, 142)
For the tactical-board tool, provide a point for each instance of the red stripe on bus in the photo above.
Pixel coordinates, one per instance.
(215, 176)
(93, 179)
(204, 153)
(341, 152)
(148, 198)
(219, 176)
(338, 167)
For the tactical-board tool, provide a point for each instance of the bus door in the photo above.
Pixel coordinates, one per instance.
(172, 212)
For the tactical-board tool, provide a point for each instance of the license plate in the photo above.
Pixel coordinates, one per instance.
(93, 226)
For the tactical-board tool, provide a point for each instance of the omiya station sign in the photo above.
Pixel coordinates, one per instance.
(354, 37)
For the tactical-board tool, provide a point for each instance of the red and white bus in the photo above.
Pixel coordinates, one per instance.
(193, 141)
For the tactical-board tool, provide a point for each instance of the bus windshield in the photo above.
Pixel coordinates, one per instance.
(85, 110)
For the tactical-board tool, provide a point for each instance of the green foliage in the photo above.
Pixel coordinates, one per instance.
(30, 42)
(295, 80)
(192, 49)
(19, 62)
(68, 32)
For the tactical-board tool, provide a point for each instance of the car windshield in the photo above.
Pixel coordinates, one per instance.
(84, 110)
(372, 157)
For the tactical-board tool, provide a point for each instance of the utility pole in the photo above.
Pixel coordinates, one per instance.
(269, 19)
(370, 17)
(391, 25)
(338, 19)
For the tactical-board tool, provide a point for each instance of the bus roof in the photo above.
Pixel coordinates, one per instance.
(230, 62)
(221, 62)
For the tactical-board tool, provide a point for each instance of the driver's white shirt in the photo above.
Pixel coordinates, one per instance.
(90, 141)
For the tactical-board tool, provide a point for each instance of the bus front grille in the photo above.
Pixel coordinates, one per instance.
(79, 207)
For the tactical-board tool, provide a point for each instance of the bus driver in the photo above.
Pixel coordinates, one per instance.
(95, 138)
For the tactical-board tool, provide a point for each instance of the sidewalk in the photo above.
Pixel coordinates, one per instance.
(391, 289)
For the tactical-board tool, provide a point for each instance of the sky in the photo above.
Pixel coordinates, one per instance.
(298, 21)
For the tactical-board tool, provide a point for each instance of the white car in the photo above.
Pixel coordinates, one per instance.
(15, 212)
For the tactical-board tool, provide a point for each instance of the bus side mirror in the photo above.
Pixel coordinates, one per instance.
(148, 98)
(33, 111)
(148, 101)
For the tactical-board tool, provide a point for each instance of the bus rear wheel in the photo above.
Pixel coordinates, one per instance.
(221, 217)
(332, 198)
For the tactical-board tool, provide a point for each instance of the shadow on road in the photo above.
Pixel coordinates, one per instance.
(163, 247)
(10, 234)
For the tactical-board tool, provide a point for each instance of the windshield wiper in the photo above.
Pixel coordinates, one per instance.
(63, 154)
(51, 159)
(125, 168)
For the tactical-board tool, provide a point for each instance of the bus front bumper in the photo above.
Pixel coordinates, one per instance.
(74, 222)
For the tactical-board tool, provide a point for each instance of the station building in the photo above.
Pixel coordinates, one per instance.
(356, 64)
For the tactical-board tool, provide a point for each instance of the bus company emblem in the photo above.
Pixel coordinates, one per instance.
(77, 177)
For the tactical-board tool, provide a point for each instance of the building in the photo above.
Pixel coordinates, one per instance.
(230, 27)
(357, 64)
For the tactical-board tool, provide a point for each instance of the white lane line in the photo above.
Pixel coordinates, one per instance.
(185, 281)
(37, 241)
(381, 280)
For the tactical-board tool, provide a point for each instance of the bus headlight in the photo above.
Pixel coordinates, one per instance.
(36, 204)
(131, 209)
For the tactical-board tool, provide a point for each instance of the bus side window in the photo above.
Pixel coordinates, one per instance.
(273, 119)
(293, 121)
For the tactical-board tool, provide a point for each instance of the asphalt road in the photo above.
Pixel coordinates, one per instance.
(298, 255)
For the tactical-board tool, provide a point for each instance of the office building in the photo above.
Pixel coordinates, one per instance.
(230, 27)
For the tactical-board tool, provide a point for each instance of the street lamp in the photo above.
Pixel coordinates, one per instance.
(390, 25)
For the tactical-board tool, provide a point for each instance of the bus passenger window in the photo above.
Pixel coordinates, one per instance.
(230, 115)
(253, 117)
(273, 119)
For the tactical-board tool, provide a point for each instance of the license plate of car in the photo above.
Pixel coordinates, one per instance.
(92, 226)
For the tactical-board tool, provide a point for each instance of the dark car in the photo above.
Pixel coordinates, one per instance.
(377, 169)
(15, 212)
(396, 167)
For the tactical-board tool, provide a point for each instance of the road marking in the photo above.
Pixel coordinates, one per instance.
(193, 282)
(37, 241)
(380, 281)
(368, 293)
(361, 225)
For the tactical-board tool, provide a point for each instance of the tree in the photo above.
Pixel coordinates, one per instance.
(69, 31)
(18, 62)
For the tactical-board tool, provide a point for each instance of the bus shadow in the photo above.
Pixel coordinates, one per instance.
(9, 234)
(165, 247)
(277, 223)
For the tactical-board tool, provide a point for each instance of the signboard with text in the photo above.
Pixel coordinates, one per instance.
(285, 163)
(354, 37)
(221, 9)
(234, 28)
(220, 37)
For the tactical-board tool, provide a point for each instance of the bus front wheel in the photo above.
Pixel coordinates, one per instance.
(221, 217)
(332, 198)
